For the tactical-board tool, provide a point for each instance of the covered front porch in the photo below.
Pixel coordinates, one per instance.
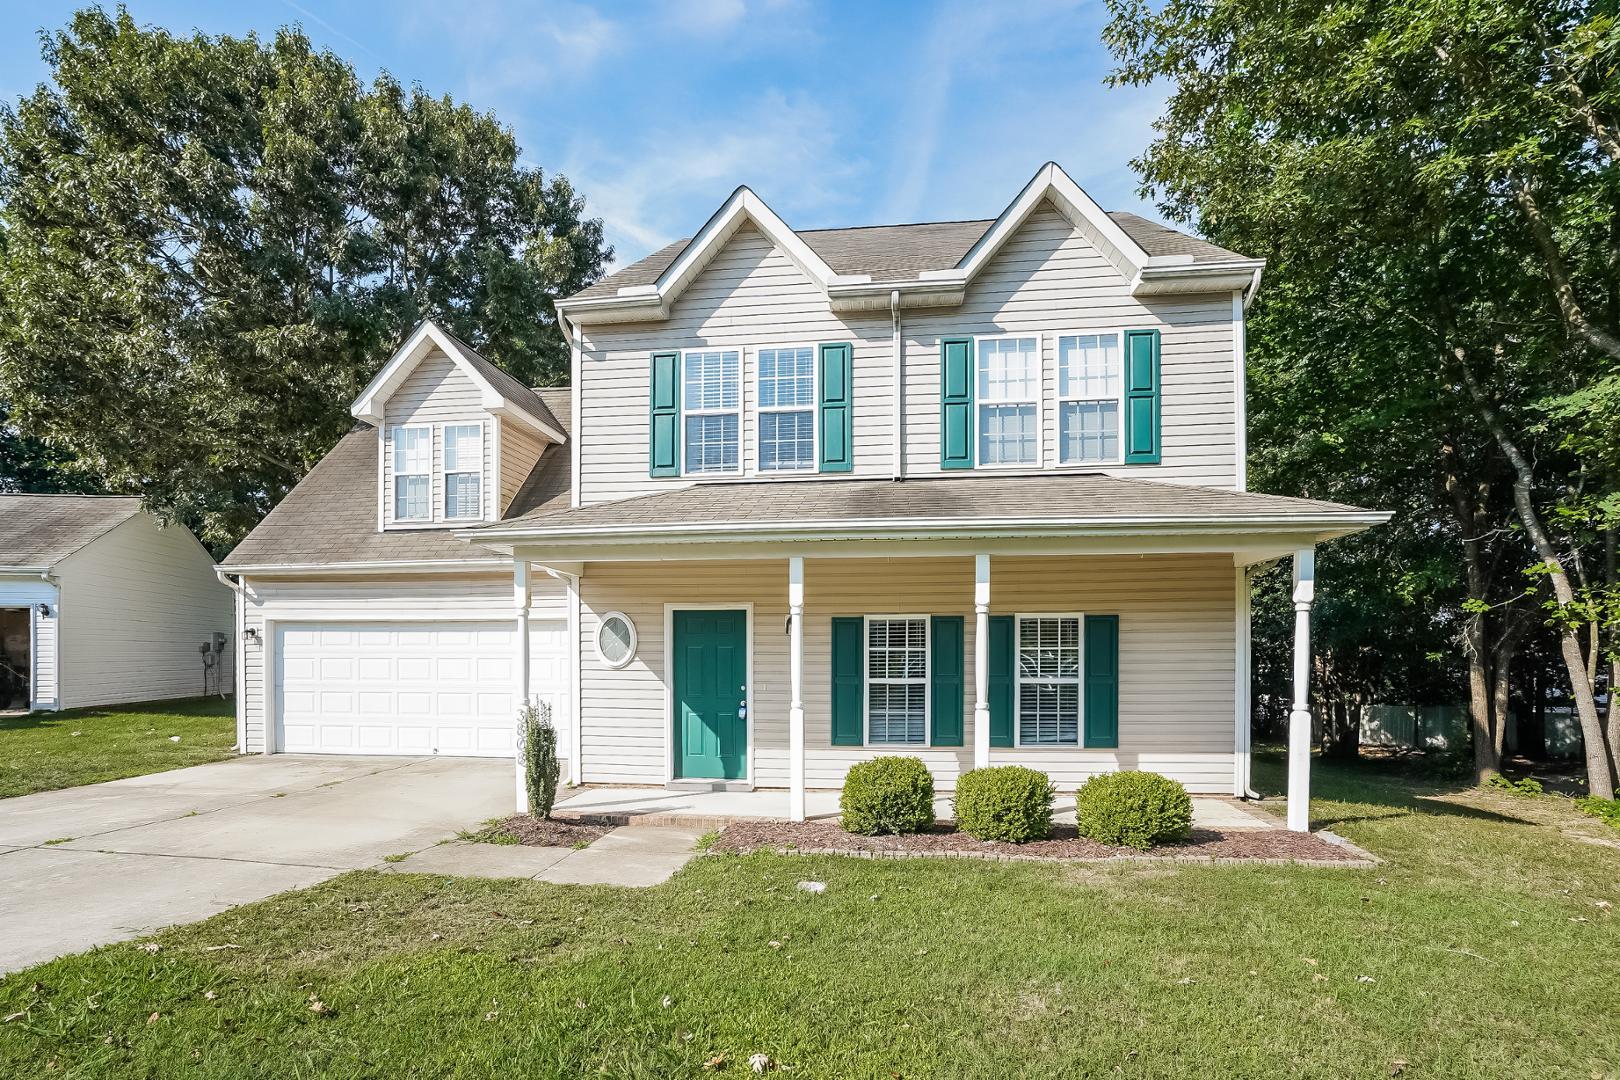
(748, 635)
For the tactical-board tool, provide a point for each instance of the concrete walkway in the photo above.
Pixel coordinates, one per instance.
(106, 862)
(632, 856)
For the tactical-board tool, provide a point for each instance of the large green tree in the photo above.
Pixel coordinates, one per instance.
(1437, 185)
(212, 243)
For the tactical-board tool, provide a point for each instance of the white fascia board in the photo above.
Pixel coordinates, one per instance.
(419, 566)
(1051, 182)
(369, 406)
(924, 528)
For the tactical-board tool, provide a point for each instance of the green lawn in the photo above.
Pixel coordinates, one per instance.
(44, 751)
(1479, 949)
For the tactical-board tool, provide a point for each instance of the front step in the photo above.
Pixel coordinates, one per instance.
(692, 787)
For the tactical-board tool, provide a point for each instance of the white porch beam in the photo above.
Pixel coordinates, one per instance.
(521, 594)
(1242, 665)
(796, 688)
(1299, 718)
(981, 661)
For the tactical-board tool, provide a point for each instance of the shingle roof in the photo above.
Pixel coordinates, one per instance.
(42, 530)
(1031, 498)
(331, 516)
(509, 386)
(899, 252)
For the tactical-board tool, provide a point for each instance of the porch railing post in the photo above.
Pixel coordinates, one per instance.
(1299, 718)
(981, 661)
(796, 688)
(520, 599)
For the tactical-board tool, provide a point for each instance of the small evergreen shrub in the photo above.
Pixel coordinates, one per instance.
(1133, 809)
(887, 795)
(1605, 810)
(1006, 802)
(1525, 786)
(540, 765)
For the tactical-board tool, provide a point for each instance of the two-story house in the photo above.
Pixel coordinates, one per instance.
(972, 491)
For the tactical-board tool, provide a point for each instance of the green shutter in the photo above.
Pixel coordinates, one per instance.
(1001, 680)
(1142, 397)
(1102, 680)
(945, 680)
(664, 445)
(848, 680)
(956, 403)
(837, 452)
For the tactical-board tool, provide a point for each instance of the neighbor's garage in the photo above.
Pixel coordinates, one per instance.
(395, 688)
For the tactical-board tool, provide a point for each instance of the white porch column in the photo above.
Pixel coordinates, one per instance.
(576, 718)
(1299, 719)
(796, 688)
(1241, 719)
(981, 661)
(520, 656)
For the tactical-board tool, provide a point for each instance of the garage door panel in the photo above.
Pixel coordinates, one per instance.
(405, 688)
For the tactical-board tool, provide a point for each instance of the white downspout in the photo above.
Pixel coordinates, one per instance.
(899, 388)
(238, 657)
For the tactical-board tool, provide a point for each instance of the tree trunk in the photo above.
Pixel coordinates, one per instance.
(1476, 632)
(1599, 771)
(1507, 647)
(1552, 257)
(1611, 727)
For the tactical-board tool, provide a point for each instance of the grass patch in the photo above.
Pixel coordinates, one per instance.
(58, 840)
(1480, 948)
(44, 751)
(706, 841)
(492, 831)
(397, 857)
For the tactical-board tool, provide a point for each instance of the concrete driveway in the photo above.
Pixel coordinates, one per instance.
(131, 856)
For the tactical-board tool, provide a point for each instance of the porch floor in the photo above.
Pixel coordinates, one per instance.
(716, 809)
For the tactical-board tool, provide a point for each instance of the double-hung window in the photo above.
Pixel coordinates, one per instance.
(463, 470)
(1048, 680)
(1009, 400)
(1089, 386)
(896, 680)
(413, 466)
(787, 413)
(712, 381)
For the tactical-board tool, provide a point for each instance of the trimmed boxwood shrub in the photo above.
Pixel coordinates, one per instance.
(1007, 802)
(1133, 809)
(887, 795)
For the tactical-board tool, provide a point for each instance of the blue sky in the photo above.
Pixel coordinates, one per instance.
(834, 113)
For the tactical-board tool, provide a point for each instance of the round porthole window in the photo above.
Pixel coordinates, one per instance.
(616, 639)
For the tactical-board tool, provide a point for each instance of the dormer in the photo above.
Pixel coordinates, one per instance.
(456, 435)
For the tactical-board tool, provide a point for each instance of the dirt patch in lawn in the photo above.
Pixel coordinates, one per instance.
(540, 832)
(1203, 845)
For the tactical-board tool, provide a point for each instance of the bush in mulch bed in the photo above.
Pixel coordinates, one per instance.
(532, 831)
(1004, 802)
(1134, 809)
(888, 795)
(825, 837)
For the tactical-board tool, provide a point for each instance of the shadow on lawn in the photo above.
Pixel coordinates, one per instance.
(42, 720)
(1369, 790)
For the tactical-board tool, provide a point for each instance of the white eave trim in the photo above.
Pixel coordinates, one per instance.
(447, 566)
(931, 528)
(370, 404)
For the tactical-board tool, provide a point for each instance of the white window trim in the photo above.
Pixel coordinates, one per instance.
(867, 681)
(741, 411)
(757, 459)
(1062, 399)
(1018, 683)
(1039, 401)
(394, 474)
(596, 640)
(445, 474)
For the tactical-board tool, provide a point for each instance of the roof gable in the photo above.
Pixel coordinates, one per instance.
(500, 393)
(39, 531)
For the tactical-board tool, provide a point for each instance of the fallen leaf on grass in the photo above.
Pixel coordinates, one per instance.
(1365, 979)
(153, 1018)
(1308, 960)
(1318, 977)
(760, 1062)
(716, 1063)
(1397, 1066)
(1188, 981)
(14, 1016)
(668, 1001)
(152, 947)
(209, 995)
(319, 1007)
(216, 948)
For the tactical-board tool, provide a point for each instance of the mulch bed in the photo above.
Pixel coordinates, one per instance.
(1203, 845)
(537, 832)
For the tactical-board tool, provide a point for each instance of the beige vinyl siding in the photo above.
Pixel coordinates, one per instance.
(750, 296)
(1176, 658)
(436, 392)
(28, 592)
(1048, 279)
(417, 598)
(520, 449)
(135, 605)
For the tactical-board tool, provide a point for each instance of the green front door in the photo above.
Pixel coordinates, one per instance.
(711, 694)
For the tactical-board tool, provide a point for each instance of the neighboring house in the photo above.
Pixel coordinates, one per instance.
(972, 491)
(101, 604)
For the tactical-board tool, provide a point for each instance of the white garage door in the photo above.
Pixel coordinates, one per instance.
(395, 688)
